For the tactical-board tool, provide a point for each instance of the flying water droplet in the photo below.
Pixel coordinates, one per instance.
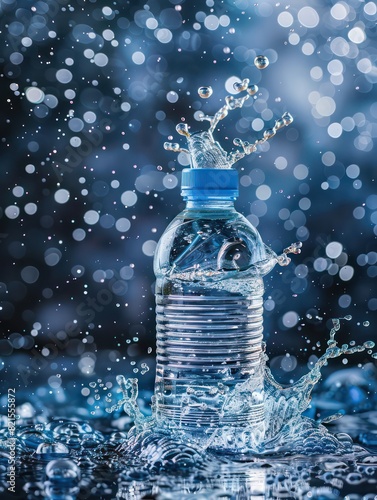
(369, 344)
(287, 118)
(241, 86)
(205, 92)
(283, 259)
(261, 62)
(238, 142)
(293, 248)
(252, 89)
(174, 146)
(182, 128)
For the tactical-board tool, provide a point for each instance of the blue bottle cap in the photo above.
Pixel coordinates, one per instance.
(209, 184)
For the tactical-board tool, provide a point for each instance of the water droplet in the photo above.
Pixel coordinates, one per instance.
(366, 323)
(205, 92)
(172, 146)
(287, 118)
(252, 89)
(369, 344)
(62, 470)
(238, 142)
(241, 86)
(52, 449)
(182, 128)
(261, 62)
(294, 248)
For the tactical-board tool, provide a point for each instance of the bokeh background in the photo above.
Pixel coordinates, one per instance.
(90, 90)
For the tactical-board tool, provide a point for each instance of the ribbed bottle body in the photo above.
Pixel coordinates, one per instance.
(210, 365)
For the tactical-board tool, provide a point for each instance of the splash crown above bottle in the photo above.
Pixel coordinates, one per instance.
(211, 175)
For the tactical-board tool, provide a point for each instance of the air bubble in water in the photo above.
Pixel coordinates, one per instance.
(261, 62)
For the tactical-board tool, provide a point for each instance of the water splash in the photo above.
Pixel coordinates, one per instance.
(283, 428)
(129, 389)
(287, 431)
(206, 139)
(154, 457)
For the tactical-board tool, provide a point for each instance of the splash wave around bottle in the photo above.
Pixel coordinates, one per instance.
(288, 432)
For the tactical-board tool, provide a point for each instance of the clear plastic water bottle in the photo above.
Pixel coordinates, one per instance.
(209, 302)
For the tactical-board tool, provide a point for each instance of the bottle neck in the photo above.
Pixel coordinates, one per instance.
(210, 204)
